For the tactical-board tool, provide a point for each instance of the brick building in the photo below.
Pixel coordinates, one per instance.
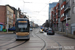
(63, 15)
(6, 14)
(3, 15)
(65, 12)
(10, 14)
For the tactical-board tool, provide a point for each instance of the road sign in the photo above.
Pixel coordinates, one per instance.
(67, 24)
(66, 28)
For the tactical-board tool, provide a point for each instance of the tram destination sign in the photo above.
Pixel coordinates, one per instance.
(22, 21)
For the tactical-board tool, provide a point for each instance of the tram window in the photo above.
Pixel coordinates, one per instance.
(23, 30)
(22, 26)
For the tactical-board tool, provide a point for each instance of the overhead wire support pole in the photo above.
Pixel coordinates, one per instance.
(66, 25)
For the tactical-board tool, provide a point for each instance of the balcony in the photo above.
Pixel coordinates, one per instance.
(68, 16)
(62, 19)
(67, 7)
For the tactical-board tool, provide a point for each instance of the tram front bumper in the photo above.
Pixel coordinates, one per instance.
(22, 33)
(23, 37)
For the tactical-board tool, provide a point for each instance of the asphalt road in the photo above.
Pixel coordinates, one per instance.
(38, 41)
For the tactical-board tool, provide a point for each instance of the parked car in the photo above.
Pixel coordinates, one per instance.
(41, 31)
(31, 29)
(45, 30)
(50, 32)
(12, 29)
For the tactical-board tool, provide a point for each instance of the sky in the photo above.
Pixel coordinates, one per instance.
(37, 10)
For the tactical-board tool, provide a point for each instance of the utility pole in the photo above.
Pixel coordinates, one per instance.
(7, 23)
(66, 25)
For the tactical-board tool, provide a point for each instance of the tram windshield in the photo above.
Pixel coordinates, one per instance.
(22, 26)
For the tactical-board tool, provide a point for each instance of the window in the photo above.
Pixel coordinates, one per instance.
(62, 7)
(63, 0)
(73, 10)
(62, 15)
(59, 7)
(7, 19)
(56, 19)
(59, 20)
(18, 14)
(12, 15)
(56, 7)
(53, 19)
(7, 12)
(11, 21)
(53, 14)
(74, 1)
(56, 13)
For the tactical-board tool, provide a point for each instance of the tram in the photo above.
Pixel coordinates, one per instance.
(22, 28)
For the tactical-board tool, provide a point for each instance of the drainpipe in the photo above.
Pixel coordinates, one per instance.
(66, 25)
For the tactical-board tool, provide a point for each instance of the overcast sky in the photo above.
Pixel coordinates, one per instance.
(37, 10)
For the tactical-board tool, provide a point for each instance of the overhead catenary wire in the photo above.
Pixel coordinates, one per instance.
(43, 7)
(35, 2)
(38, 12)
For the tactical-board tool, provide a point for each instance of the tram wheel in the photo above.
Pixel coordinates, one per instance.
(16, 39)
(28, 39)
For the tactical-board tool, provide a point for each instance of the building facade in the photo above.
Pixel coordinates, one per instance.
(6, 16)
(51, 5)
(3, 14)
(50, 16)
(65, 12)
(72, 16)
(32, 24)
(62, 16)
(9, 15)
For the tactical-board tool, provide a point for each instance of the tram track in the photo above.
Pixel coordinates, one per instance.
(16, 46)
(42, 40)
(7, 44)
(45, 42)
(25, 42)
(10, 43)
(35, 33)
(55, 42)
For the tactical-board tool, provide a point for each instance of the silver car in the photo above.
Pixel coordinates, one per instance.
(50, 32)
(31, 29)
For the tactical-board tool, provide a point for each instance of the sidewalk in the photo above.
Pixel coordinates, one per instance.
(64, 34)
(6, 33)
